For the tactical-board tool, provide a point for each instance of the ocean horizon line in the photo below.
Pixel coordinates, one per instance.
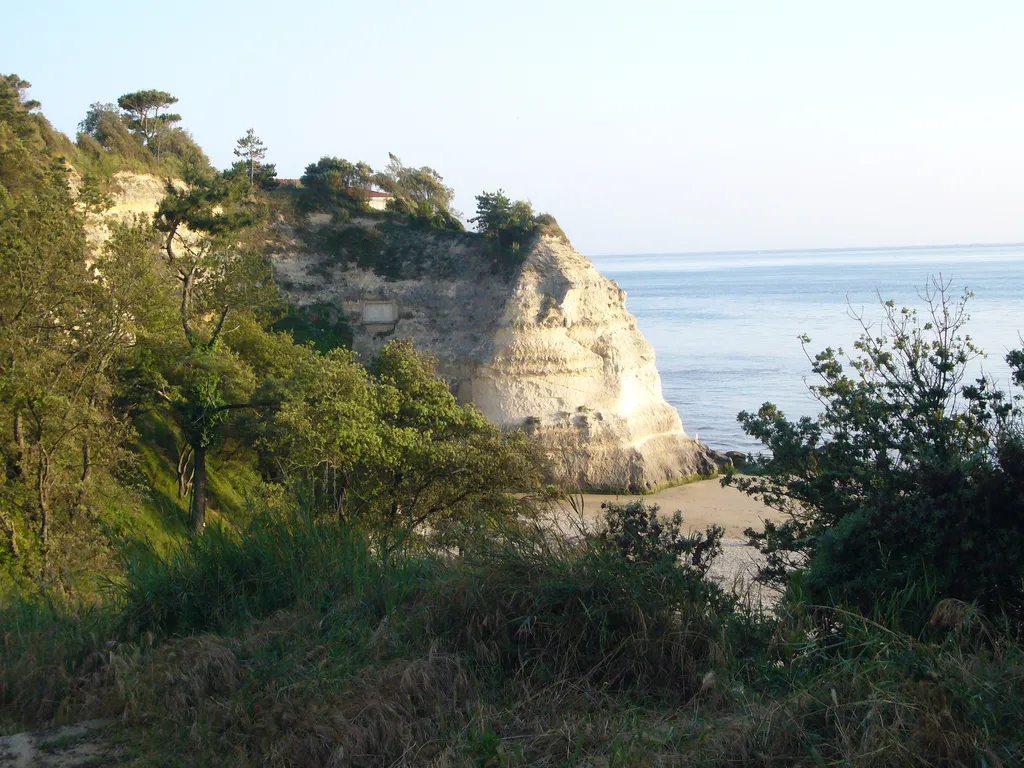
(784, 251)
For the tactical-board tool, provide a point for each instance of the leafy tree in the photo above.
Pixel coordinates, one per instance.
(393, 450)
(61, 335)
(910, 474)
(509, 224)
(419, 193)
(16, 99)
(144, 112)
(251, 152)
(104, 132)
(332, 182)
(110, 140)
(203, 379)
(102, 121)
(16, 112)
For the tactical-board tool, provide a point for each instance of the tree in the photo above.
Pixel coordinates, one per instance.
(104, 130)
(62, 333)
(909, 474)
(251, 150)
(332, 182)
(100, 121)
(201, 378)
(509, 224)
(16, 110)
(419, 193)
(144, 116)
(392, 450)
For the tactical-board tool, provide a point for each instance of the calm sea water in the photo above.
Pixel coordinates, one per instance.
(725, 326)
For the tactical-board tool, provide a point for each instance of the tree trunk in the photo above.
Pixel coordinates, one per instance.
(86, 461)
(198, 516)
(184, 475)
(19, 437)
(43, 500)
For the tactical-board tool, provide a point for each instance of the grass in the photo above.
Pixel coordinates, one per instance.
(297, 642)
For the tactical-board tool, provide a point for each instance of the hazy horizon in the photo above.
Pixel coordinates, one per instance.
(645, 128)
(923, 246)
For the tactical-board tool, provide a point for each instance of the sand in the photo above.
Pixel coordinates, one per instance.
(702, 503)
(707, 503)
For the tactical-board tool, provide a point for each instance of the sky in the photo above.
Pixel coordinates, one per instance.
(643, 126)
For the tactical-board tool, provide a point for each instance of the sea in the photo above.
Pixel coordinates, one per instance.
(726, 327)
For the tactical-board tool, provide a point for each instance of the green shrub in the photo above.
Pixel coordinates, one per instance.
(334, 183)
(594, 608)
(909, 473)
(318, 324)
(510, 225)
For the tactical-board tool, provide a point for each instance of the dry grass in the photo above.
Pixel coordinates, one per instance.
(527, 652)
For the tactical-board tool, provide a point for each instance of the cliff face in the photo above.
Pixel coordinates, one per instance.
(132, 194)
(550, 349)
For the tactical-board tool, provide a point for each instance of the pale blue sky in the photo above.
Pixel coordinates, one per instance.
(642, 126)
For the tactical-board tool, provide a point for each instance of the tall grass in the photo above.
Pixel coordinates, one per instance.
(298, 642)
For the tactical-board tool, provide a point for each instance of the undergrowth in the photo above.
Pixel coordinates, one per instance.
(294, 641)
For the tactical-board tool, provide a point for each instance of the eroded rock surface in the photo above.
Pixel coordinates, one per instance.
(550, 349)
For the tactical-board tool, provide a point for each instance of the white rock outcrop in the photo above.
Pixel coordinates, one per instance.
(552, 350)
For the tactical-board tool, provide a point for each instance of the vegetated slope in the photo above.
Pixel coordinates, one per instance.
(146, 390)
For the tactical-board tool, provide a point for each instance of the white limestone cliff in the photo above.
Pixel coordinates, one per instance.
(552, 350)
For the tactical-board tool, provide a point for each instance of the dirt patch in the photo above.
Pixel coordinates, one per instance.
(70, 746)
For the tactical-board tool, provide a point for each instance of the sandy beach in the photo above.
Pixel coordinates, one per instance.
(702, 503)
(707, 503)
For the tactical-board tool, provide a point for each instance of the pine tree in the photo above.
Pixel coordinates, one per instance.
(251, 149)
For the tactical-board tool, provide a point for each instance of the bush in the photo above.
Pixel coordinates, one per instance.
(510, 225)
(332, 183)
(636, 533)
(909, 474)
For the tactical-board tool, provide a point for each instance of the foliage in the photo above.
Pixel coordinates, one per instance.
(294, 640)
(60, 337)
(638, 533)
(420, 194)
(128, 368)
(909, 473)
(251, 152)
(106, 126)
(393, 450)
(135, 136)
(510, 225)
(145, 118)
(318, 324)
(332, 183)
(548, 226)
(193, 369)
